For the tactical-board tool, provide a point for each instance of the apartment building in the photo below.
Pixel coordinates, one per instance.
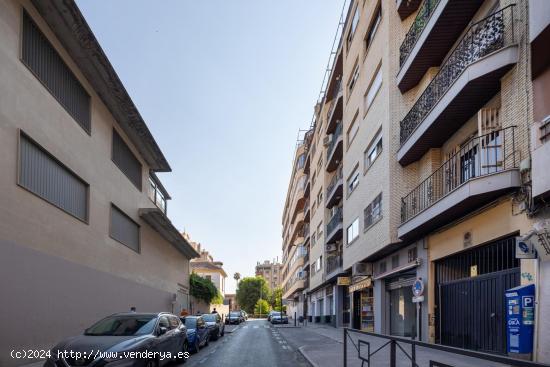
(295, 265)
(271, 272)
(84, 228)
(432, 120)
(205, 267)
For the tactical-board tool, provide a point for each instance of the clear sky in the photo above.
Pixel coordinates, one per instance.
(224, 87)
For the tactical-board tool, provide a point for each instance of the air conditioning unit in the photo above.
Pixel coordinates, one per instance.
(331, 247)
(327, 140)
(361, 269)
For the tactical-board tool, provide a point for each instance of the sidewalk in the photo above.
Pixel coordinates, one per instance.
(322, 346)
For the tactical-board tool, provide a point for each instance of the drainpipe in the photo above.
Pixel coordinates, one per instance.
(537, 310)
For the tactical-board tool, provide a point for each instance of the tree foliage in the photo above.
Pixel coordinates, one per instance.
(275, 298)
(250, 290)
(218, 300)
(262, 307)
(202, 288)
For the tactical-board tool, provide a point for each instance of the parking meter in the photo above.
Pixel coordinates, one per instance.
(520, 320)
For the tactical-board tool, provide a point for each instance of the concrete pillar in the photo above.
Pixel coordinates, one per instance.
(379, 306)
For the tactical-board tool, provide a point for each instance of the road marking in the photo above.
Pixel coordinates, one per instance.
(256, 326)
(285, 347)
(245, 327)
(203, 360)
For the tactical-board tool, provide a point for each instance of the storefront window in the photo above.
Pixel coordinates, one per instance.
(367, 310)
(402, 312)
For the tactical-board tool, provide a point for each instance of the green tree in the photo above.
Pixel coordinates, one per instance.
(202, 288)
(275, 299)
(218, 300)
(262, 307)
(250, 290)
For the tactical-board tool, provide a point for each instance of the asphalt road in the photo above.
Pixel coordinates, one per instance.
(253, 343)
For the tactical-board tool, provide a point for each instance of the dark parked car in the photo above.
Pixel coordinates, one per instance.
(270, 314)
(234, 317)
(198, 334)
(277, 318)
(123, 333)
(215, 325)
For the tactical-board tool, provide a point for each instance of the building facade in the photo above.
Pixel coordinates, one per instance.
(83, 226)
(205, 267)
(434, 123)
(271, 272)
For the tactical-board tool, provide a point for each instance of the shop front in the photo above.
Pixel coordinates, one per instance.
(362, 296)
(402, 312)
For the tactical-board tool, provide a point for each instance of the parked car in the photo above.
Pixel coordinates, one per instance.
(277, 318)
(245, 315)
(269, 315)
(234, 317)
(198, 334)
(123, 332)
(215, 325)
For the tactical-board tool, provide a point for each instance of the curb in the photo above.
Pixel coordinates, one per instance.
(307, 358)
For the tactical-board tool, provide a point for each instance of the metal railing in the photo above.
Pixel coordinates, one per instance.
(484, 155)
(335, 135)
(336, 219)
(482, 38)
(422, 17)
(379, 350)
(334, 99)
(332, 184)
(333, 263)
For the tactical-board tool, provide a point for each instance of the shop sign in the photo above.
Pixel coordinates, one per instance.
(538, 239)
(343, 281)
(525, 249)
(366, 283)
(418, 288)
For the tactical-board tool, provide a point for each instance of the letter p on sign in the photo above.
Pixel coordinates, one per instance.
(528, 301)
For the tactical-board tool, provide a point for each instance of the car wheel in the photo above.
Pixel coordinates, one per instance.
(197, 345)
(223, 332)
(207, 341)
(185, 351)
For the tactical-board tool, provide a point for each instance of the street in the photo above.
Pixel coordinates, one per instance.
(252, 343)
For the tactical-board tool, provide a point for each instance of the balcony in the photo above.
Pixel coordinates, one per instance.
(334, 189)
(333, 266)
(336, 108)
(467, 80)
(407, 7)
(335, 148)
(482, 170)
(157, 193)
(334, 227)
(437, 26)
(307, 211)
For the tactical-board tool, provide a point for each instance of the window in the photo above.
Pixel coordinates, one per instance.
(313, 238)
(124, 229)
(301, 161)
(353, 79)
(373, 27)
(353, 180)
(412, 254)
(395, 261)
(353, 231)
(313, 178)
(373, 88)
(42, 59)
(320, 197)
(126, 160)
(353, 27)
(382, 267)
(373, 212)
(49, 179)
(545, 130)
(209, 277)
(374, 150)
(320, 164)
(352, 131)
(320, 231)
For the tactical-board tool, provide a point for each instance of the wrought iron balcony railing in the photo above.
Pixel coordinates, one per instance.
(422, 17)
(333, 263)
(335, 135)
(333, 182)
(484, 155)
(482, 38)
(336, 219)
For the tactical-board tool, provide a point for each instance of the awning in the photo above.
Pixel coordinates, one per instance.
(160, 223)
(408, 266)
(365, 283)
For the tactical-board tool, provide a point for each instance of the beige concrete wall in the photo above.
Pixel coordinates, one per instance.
(26, 105)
